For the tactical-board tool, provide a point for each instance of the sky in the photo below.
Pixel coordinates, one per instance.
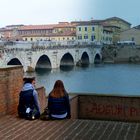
(29, 12)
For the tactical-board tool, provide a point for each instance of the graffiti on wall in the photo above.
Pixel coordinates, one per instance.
(113, 109)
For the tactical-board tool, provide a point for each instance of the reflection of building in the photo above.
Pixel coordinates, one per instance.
(61, 31)
(116, 25)
(132, 34)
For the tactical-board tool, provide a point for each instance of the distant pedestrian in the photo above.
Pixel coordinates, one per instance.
(29, 106)
(58, 102)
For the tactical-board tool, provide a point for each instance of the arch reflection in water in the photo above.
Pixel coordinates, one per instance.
(43, 71)
(66, 68)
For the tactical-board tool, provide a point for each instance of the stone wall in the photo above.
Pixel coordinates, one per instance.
(121, 54)
(10, 85)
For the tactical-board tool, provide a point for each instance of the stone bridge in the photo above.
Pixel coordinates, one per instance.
(32, 57)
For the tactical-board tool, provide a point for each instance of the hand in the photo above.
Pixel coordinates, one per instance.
(68, 117)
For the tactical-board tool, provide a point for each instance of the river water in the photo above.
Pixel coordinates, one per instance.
(111, 79)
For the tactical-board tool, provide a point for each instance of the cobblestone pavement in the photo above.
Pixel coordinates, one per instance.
(13, 128)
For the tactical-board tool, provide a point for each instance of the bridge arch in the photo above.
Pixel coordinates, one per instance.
(43, 62)
(14, 61)
(67, 60)
(85, 59)
(97, 58)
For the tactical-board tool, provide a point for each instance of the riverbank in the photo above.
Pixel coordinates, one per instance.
(121, 54)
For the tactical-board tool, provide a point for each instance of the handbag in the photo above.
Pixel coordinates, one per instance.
(45, 114)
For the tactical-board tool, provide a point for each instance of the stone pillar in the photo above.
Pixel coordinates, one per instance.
(54, 60)
(30, 69)
(42, 98)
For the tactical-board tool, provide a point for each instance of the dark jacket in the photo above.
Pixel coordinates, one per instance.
(59, 106)
(28, 98)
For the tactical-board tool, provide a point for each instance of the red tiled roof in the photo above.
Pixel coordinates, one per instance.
(39, 27)
(49, 26)
(67, 33)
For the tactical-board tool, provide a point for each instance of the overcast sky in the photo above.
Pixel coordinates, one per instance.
(54, 11)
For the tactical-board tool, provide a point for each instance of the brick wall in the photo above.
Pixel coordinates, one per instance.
(42, 98)
(11, 82)
(109, 107)
(74, 107)
(10, 85)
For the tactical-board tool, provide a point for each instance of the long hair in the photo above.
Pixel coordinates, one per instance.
(58, 90)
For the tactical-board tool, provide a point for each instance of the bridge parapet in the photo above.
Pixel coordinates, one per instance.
(45, 44)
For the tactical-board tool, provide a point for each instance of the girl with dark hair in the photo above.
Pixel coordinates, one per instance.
(58, 102)
(29, 107)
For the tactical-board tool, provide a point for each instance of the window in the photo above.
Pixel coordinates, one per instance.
(79, 28)
(79, 37)
(85, 28)
(92, 28)
(85, 36)
(92, 38)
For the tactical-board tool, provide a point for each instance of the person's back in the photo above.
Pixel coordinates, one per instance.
(28, 101)
(58, 102)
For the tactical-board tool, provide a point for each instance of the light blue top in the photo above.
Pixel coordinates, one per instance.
(29, 86)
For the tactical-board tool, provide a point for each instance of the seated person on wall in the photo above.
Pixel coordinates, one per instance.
(58, 102)
(29, 107)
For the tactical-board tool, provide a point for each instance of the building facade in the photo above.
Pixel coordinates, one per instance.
(132, 34)
(93, 31)
(116, 25)
(55, 32)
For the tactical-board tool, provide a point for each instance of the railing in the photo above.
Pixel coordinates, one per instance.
(45, 44)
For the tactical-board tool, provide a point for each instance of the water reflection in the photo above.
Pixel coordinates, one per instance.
(120, 79)
(43, 71)
(66, 68)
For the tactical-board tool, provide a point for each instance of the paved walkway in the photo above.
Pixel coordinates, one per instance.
(13, 128)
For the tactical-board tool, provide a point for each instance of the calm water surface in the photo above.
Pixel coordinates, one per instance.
(116, 79)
